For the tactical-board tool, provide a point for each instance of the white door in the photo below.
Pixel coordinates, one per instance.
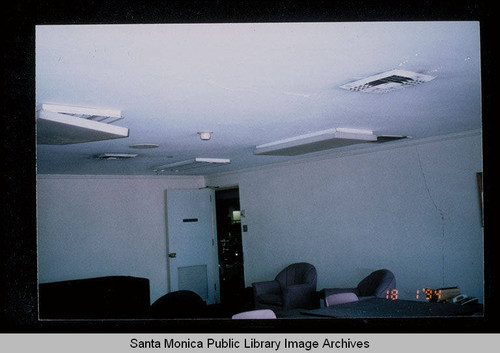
(190, 242)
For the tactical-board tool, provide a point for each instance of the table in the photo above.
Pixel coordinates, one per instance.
(386, 308)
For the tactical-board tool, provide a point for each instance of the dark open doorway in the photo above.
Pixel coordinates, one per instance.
(230, 249)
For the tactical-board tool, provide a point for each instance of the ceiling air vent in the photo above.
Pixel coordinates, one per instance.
(387, 81)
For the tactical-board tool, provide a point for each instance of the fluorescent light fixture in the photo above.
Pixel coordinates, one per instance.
(317, 141)
(389, 138)
(387, 81)
(191, 165)
(96, 114)
(113, 156)
(59, 125)
(144, 146)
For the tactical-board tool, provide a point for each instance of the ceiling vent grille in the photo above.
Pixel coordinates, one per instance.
(387, 81)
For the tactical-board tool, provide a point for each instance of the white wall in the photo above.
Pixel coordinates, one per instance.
(102, 226)
(411, 209)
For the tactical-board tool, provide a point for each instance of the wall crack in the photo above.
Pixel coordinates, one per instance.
(438, 210)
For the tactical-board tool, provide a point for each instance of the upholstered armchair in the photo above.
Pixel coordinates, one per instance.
(376, 284)
(294, 287)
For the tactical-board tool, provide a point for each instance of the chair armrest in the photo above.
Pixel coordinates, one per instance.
(266, 287)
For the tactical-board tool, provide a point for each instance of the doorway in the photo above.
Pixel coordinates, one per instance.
(233, 295)
(190, 245)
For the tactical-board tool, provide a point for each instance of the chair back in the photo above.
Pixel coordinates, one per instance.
(179, 304)
(297, 273)
(255, 314)
(377, 284)
(340, 298)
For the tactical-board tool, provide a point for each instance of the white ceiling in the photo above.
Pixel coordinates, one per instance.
(250, 84)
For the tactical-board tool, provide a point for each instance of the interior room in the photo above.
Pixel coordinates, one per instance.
(209, 157)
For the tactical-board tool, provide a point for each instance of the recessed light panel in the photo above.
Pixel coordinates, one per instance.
(144, 146)
(57, 125)
(314, 142)
(114, 156)
(191, 166)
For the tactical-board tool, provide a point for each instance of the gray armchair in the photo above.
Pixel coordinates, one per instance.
(376, 284)
(294, 287)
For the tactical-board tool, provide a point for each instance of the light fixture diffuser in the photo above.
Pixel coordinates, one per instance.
(144, 146)
(191, 165)
(60, 125)
(115, 156)
(314, 142)
(96, 114)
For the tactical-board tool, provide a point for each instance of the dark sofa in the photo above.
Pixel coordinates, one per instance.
(111, 297)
